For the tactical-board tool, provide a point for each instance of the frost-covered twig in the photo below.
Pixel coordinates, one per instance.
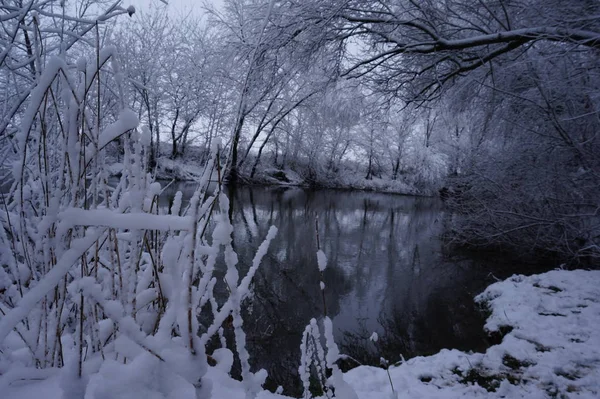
(318, 359)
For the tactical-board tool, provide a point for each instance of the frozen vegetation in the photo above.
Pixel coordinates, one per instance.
(350, 177)
(550, 346)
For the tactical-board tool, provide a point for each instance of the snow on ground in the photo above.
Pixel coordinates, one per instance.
(550, 325)
(191, 170)
(342, 180)
(176, 169)
(127, 384)
(551, 349)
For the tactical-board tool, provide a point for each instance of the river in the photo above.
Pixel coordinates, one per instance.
(387, 273)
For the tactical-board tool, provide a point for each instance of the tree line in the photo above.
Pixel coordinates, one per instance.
(493, 101)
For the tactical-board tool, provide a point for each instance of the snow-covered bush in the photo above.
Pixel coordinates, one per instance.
(97, 283)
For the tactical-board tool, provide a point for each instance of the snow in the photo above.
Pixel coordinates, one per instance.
(374, 337)
(321, 260)
(146, 136)
(109, 218)
(127, 121)
(224, 359)
(342, 388)
(78, 247)
(155, 188)
(47, 389)
(260, 254)
(333, 353)
(23, 373)
(167, 168)
(189, 168)
(553, 350)
(51, 70)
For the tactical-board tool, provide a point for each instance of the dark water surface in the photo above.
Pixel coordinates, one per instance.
(387, 273)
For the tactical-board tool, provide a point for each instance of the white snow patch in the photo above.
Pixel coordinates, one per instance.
(224, 359)
(127, 121)
(321, 260)
(155, 188)
(108, 218)
(374, 337)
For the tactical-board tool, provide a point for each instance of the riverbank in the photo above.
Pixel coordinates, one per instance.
(179, 170)
(547, 327)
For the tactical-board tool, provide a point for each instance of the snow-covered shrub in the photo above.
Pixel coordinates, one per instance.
(97, 283)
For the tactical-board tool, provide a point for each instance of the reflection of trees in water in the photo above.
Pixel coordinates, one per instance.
(386, 273)
(425, 320)
(366, 237)
(384, 260)
(286, 286)
(282, 306)
(446, 321)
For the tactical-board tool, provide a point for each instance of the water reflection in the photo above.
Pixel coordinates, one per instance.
(387, 273)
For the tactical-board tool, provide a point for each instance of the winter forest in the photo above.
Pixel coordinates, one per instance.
(276, 199)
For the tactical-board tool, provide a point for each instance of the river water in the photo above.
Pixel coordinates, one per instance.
(387, 273)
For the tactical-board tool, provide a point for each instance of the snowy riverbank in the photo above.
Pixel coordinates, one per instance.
(548, 324)
(551, 348)
(186, 170)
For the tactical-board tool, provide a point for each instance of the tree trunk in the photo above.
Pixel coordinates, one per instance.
(233, 171)
(396, 169)
(174, 136)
